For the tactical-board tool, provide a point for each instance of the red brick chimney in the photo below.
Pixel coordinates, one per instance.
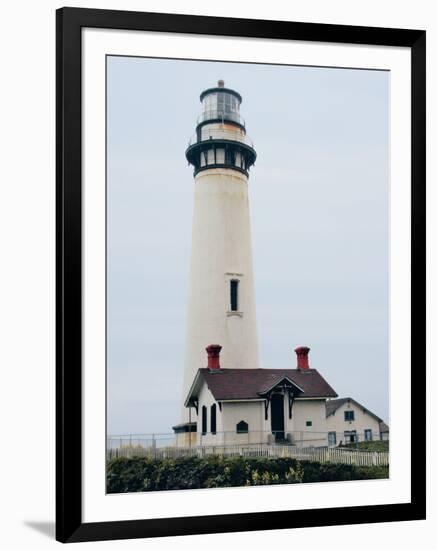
(302, 357)
(213, 351)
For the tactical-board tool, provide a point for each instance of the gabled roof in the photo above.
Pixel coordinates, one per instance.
(334, 404)
(383, 427)
(242, 384)
(282, 380)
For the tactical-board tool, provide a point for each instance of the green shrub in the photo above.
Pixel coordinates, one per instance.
(126, 475)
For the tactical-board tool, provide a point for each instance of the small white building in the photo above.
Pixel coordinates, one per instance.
(347, 421)
(246, 406)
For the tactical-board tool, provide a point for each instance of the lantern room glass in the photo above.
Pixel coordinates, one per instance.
(220, 105)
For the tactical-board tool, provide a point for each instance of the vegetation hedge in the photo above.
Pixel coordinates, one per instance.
(126, 475)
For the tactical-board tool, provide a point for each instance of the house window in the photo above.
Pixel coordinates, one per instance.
(309, 423)
(351, 437)
(332, 439)
(214, 419)
(204, 420)
(234, 294)
(349, 416)
(242, 427)
(368, 435)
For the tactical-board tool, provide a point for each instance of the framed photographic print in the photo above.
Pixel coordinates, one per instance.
(240, 274)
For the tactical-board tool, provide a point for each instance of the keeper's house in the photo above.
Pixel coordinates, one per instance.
(240, 406)
(347, 421)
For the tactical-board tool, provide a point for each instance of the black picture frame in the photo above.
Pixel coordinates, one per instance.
(69, 23)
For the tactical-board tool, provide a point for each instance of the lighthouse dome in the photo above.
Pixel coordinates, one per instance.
(220, 104)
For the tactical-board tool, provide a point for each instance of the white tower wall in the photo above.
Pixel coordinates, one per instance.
(221, 252)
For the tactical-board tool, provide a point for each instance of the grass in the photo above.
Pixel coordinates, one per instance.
(370, 446)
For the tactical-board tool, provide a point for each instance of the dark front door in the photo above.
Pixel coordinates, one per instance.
(277, 408)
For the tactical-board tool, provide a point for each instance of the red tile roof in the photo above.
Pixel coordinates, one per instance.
(250, 383)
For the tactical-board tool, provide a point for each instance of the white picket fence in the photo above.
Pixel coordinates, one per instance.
(335, 455)
(338, 455)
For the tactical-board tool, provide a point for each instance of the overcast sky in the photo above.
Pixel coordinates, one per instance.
(319, 212)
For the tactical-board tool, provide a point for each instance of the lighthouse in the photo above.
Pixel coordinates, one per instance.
(221, 306)
(227, 399)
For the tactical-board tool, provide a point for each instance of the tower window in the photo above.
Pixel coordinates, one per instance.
(204, 420)
(234, 295)
(214, 419)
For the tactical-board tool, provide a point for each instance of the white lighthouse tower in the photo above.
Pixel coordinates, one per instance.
(221, 308)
